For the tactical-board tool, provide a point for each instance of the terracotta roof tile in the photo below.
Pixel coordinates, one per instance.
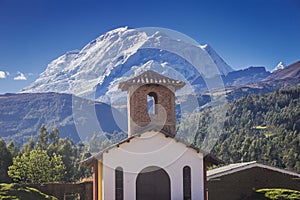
(151, 77)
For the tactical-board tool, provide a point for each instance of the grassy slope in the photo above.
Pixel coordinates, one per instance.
(17, 192)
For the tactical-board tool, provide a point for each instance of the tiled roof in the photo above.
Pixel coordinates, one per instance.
(233, 168)
(151, 77)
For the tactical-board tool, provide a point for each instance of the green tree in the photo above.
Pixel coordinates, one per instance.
(68, 151)
(37, 167)
(5, 162)
(43, 138)
(59, 152)
(54, 136)
(13, 149)
(28, 146)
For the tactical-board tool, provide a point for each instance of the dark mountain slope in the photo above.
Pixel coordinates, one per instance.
(21, 115)
(245, 76)
(285, 78)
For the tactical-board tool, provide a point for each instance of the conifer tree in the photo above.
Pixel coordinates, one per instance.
(42, 138)
(13, 149)
(5, 162)
(28, 146)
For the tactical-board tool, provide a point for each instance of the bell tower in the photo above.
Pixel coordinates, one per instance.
(151, 102)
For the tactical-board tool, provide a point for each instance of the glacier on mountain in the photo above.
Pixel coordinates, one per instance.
(95, 71)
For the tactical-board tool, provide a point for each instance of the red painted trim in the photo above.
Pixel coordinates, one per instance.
(95, 169)
(205, 180)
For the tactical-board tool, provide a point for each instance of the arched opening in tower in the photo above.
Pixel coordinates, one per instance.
(152, 102)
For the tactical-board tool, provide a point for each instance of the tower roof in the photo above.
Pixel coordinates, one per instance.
(151, 77)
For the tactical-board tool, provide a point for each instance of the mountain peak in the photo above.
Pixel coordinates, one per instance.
(120, 29)
(290, 72)
(117, 55)
(278, 67)
(117, 31)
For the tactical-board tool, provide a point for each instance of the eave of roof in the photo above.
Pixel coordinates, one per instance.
(233, 168)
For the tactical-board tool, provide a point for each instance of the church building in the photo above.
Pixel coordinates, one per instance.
(151, 164)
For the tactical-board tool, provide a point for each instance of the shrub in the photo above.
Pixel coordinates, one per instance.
(280, 194)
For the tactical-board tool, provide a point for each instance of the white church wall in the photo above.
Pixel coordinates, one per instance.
(153, 149)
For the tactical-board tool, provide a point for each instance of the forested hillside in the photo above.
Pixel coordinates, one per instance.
(48, 159)
(264, 127)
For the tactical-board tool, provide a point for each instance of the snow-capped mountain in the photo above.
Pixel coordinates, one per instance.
(95, 71)
(278, 67)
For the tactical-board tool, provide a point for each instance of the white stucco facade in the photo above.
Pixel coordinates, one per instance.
(152, 149)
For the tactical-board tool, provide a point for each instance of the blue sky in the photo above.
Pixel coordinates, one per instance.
(244, 33)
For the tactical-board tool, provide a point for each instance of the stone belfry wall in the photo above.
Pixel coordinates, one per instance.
(163, 116)
(161, 89)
